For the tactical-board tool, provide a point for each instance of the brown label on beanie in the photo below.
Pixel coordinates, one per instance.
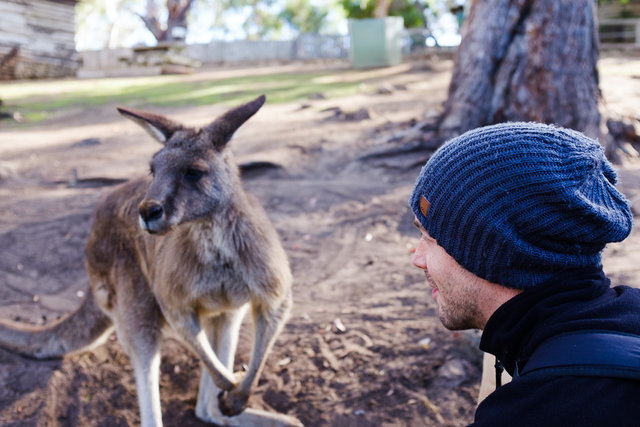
(424, 206)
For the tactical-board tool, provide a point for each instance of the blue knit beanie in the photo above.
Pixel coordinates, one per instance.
(516, 203)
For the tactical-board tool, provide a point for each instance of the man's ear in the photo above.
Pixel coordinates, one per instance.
(159, 127)
(223, 128)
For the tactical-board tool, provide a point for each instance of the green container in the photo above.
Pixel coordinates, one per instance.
(376, 42)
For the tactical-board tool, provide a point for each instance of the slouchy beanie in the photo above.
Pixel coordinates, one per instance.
(516, 203)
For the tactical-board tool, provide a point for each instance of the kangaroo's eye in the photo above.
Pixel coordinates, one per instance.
(193, 175)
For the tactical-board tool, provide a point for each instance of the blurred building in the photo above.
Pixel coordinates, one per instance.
(37, 39)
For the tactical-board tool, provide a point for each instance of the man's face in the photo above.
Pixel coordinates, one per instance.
(454, 288)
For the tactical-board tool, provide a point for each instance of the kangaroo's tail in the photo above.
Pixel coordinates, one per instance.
(84, 328)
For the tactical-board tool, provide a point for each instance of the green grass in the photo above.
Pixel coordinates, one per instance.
(42, 100)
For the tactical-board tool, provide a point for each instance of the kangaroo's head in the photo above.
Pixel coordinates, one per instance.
(193, 174)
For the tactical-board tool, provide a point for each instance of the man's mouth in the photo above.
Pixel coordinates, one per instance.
(434, 290)
(429, 279)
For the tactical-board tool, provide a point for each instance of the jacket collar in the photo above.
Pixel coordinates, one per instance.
(562, 304)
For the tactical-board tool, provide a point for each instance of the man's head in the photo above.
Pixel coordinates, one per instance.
(516, 203)
(465, 301)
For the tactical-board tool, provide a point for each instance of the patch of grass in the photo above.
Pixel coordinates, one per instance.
(40, 100)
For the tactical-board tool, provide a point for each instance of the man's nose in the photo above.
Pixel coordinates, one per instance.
(418, 258)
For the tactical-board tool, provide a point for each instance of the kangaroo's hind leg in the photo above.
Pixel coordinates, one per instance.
(222, 331)
(268, 319)
(138, 322)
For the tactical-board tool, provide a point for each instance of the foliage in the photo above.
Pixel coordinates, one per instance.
(107, 23)
(260, 19)
(624, 11)
(358, 9)
(117, 23)
(304, 16)
(265, 18)
(410, 10)
(623, 2)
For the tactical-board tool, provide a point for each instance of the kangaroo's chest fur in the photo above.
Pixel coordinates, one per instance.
(214, 264)
(200, 265)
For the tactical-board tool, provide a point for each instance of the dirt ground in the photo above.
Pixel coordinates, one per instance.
(363, 345)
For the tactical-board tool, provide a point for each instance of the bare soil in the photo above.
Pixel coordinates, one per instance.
(363, 346)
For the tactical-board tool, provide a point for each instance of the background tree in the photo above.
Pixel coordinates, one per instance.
(412, 11)
(106, 23)
(526, 60)
(530, 60)
(261, 17)
(382, 8)
(304, 16)
(175, 27)
(111, 24)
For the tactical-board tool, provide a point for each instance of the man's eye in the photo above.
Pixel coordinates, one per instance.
(193, 175)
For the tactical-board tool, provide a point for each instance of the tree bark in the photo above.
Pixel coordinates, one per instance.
(382, 9)
(526, 60)
(178, 10)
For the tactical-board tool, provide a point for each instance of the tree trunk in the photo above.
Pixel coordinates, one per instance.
(526, 60)
(382, 9)
(176, 22)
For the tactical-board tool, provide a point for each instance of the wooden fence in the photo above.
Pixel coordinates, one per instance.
(37, 39)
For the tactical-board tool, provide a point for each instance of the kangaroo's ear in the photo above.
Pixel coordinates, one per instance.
(159, 127)
(222, 129)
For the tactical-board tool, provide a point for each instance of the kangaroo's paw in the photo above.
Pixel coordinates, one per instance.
(250, 417)
(232, 402)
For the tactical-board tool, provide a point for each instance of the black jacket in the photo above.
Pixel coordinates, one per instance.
(572, 301)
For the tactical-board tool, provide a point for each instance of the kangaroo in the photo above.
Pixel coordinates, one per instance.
(185, 249)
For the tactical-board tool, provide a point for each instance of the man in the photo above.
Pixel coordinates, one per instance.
(513, 220)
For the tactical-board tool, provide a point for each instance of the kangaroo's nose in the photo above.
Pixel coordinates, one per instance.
(150, 211)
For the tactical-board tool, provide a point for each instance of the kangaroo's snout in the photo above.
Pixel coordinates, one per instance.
(151, 213)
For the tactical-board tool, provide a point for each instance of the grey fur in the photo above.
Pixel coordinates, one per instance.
(187, 250)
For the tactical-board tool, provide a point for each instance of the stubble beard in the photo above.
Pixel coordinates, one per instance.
(454, 320)
(458, 315)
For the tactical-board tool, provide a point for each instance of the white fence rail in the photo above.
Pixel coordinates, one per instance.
(620, 31)
(149, 61)
(170, 58)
